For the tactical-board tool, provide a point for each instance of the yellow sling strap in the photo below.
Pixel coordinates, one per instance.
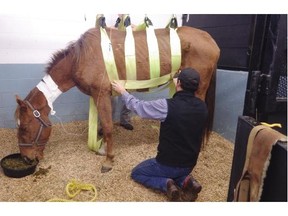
(93, 143)
(154, 61)
(130, 61)
(175, 46)
(154, 58)
(143, 84)
(153, 50)
(107, 52)
(108, 55)
(130, 56)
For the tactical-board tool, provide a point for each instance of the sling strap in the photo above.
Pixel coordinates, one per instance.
(124, 23)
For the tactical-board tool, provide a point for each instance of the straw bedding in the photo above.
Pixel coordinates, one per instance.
(67, 157)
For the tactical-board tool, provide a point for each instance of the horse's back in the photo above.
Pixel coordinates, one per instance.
(198, 49)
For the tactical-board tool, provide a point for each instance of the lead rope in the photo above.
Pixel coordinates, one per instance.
(69, 133)
(73, 188)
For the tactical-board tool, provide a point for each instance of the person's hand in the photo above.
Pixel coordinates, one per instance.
(175, 81)
(118, 87)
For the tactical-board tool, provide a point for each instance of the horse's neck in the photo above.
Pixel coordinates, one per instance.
(61, 70)
(62, 79)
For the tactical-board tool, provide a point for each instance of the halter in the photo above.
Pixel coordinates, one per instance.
(43, 124)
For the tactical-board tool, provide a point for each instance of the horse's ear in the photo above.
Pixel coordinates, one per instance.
(20, 102)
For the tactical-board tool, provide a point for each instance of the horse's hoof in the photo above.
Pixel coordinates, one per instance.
(105, 169)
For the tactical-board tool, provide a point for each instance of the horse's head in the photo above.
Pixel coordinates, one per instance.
(34, 128)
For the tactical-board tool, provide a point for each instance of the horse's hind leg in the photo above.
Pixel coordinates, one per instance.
(104, 108)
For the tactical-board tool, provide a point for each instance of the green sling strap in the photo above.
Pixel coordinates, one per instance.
(130, 61)
(130, 56)
(110, 65)
(153, 50)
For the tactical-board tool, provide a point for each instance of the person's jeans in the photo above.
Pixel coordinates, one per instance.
(154, 175)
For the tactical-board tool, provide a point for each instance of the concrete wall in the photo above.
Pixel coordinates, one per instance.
(20, 79)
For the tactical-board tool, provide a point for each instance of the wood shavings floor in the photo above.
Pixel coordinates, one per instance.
(67, 157)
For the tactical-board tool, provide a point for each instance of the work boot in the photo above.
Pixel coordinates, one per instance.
(127, 126)
(173, 192)
(190, 189)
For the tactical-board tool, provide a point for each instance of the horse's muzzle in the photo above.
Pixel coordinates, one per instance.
(29, 161)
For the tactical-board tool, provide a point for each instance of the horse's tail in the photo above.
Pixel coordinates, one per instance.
(210, 101)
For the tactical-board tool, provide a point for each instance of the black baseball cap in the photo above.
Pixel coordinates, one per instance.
(189, 79)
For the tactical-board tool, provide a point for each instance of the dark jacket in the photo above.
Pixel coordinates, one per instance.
(181, 132)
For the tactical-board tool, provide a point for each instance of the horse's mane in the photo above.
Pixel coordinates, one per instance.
(75, 49)
(56, 57)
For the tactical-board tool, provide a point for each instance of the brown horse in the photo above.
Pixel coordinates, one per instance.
(81, 64)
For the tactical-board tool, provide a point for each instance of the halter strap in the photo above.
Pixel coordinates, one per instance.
(37, 114)
(43, 124)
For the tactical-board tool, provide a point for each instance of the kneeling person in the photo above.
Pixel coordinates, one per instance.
(183, 119)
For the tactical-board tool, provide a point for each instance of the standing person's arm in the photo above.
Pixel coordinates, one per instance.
(155, 109)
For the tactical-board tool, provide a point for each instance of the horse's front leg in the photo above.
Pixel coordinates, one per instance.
(104, 108)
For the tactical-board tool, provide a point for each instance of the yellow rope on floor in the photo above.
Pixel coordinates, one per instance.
(73, 188)
(271, 125)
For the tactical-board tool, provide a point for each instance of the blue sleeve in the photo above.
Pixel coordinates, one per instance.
(155, 109)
